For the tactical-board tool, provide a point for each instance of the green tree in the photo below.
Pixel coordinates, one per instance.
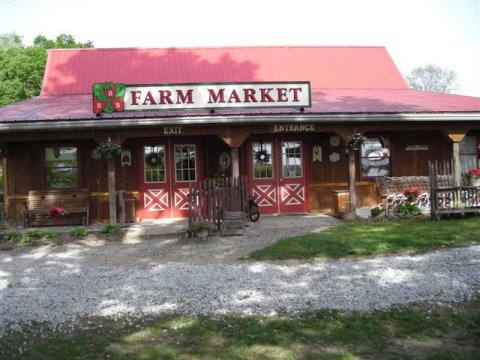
(432, 78)
(22, 67)
(9, 40)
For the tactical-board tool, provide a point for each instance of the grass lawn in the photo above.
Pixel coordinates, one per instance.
(416, 332)
(363, 238)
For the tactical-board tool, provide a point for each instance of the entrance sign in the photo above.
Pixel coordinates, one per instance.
(110, 97)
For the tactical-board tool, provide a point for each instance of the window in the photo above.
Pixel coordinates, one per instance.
(262, 160)
(468, 153)
(292, 159)
(185, 169)
(154, 163)
(61, 167)
(374, 159)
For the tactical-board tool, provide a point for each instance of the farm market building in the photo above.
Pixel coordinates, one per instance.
(279, 115)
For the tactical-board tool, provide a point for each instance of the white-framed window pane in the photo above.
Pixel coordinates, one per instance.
(468, 153)
(374, 159)
(292, 159)
(185, 163)
(262, 160)
(154, 164)
(61, 167)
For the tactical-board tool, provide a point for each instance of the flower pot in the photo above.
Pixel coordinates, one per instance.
(202, 235)
(56, 219)
(475, 182)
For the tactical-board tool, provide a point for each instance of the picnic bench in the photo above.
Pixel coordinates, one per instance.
(39, 203)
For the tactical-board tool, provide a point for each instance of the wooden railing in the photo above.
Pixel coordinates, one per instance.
(209, 199)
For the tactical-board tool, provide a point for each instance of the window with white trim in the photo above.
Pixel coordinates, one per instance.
(468, 153)
(61, 167)
(374, 159)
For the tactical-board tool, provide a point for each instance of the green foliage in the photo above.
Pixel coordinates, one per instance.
(407, 208)
(22, 67)
(13, 235)
(79, 232)
(432, 78)
(200, 226)
(25, 239)
(109, 229)
(10, 40)
(49, 234)
(17, 237)
(365, 238)
(376, 211)
(325, 334)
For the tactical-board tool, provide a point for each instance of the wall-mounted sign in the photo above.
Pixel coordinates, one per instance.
(110, 97)
(334, 157)
(126, 158)
(334, 140)
(294, 128)
(317, 153)
(416, 148)
(172, 130)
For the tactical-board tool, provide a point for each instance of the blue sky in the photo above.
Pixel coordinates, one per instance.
(445, 33)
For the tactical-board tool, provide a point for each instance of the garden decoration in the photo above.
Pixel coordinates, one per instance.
(355, 141)
(108, 149)
(56, 213)
(411, 194)
(262, 156)
(473, 177)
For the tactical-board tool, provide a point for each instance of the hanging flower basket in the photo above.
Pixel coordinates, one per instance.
(355, 141)
(108, 149)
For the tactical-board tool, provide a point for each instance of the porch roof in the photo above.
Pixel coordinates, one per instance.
(352, 102)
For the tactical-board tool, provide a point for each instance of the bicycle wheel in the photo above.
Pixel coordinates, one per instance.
(254, 213)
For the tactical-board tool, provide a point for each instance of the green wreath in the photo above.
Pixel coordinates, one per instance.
(262, 156)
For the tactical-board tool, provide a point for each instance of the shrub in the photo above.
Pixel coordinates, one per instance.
(26, 239)
(79, 232)
(407, 209)
(110, 229)
(376, 211)
(13, 236)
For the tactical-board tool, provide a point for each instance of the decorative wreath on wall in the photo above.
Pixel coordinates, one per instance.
(153, 159)
(262, 156)
(224, 160)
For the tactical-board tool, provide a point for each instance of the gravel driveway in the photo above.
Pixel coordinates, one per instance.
(61, 284)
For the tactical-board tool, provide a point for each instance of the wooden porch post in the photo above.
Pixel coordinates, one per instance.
(112, 204)
(235, 162)
(351, 181)
(234, 139)
(457, 166)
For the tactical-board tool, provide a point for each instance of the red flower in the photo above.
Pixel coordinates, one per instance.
(474, 172)
(411, 192)
(57, 211)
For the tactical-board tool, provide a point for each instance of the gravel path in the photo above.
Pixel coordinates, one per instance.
(61, 284)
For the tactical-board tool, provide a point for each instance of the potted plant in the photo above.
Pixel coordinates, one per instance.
(411, 194)
(355, 141)
(108, 149)
(56, 214)
(473, 177)
(200, 229)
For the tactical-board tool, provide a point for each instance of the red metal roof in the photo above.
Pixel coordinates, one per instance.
(79, 107)
(73, 71)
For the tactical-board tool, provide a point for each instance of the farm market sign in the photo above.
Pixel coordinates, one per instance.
(110, 97)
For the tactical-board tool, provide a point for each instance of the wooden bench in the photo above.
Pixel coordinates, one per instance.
(74, 201)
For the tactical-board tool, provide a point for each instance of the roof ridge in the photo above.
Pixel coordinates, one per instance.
(226, 47)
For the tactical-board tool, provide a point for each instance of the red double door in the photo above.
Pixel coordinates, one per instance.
(277, 174)
(167, 168)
